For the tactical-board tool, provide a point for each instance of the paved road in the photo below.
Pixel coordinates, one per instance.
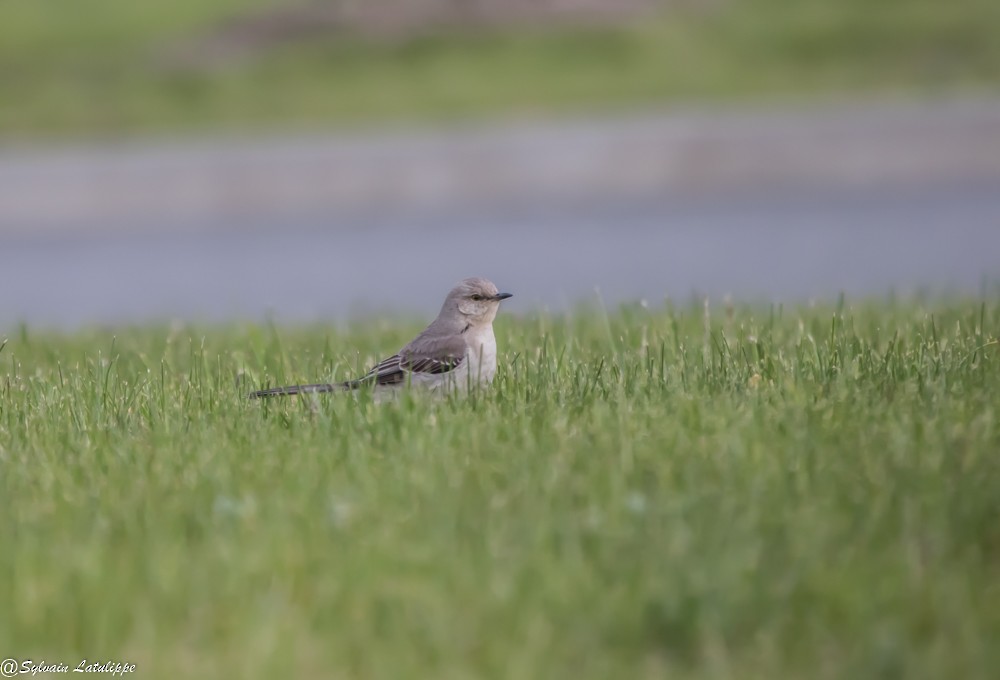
(201, 182)
(756, 245)
(784, 204)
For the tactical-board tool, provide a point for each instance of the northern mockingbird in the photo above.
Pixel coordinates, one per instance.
(457, 350)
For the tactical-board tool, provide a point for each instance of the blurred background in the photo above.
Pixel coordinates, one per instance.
(307, 160)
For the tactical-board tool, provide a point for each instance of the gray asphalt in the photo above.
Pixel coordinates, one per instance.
(788, 246)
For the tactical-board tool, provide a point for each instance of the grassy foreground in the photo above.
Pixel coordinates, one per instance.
(757, 493)
(100, 67)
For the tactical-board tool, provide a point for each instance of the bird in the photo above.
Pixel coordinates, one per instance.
(456, 351)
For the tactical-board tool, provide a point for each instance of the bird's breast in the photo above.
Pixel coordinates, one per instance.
(482, 354)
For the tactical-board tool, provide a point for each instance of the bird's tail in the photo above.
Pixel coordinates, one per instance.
(299, 389)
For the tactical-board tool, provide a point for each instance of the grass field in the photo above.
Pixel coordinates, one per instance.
(752, 493)
(99, 68)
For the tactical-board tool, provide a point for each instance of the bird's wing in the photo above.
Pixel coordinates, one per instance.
(425, 355)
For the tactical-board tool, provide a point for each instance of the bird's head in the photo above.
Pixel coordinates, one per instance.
(475, 300)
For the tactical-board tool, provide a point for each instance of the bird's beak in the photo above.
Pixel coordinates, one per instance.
(503, 296)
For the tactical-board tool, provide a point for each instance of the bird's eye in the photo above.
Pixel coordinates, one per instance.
(477, 297)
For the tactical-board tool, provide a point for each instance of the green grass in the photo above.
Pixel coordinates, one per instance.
(96, 67)
(776, 493)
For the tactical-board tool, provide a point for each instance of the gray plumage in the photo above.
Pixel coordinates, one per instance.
(457, 349)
